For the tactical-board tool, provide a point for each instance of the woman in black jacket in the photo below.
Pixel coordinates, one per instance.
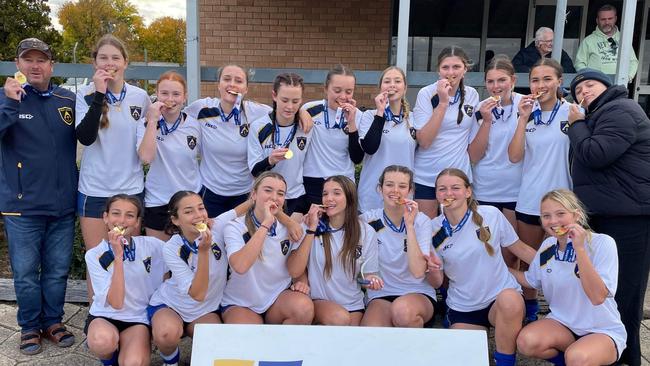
(611, 175)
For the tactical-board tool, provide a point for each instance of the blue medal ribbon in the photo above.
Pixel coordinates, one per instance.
(569, 253)
(45, 94)
(390, 117)
(447, 226)
(324, 227)
(456, 97)
(287, 141)
(257, 224)
(112, 99)
(191, 246)
(162, 123)
(400, 229)
(128, 253)
(234, 113)
(537, 114)
(326, 119)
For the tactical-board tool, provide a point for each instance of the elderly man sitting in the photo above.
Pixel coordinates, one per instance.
(541, 47)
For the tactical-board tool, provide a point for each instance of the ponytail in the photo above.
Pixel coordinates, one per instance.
(406, 108)
(103, 121)
(461, 86)
(483, 232)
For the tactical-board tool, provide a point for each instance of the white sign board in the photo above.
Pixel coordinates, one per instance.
(298, 345)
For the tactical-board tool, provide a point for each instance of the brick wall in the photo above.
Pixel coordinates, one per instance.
(306, 34)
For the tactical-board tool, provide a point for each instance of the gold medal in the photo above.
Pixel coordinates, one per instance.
(288, 155)
(20, 77)
(201, 227)
(118, 230)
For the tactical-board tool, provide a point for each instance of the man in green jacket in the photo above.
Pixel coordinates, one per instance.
(599, 50)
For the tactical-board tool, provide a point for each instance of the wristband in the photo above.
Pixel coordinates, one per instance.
(266, 227)
(310, 232)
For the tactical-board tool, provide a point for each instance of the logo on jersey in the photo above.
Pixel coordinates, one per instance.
(469, 110)
(284, 245)
(147, 264)
(25, 116)
(576, 271)
(243, 130)
(301, 142)
(191, 142)
(564, 127)
(136, 112)
(66, 115)
(358, 251)
(413, 133)
(405, 246)
(216, 251)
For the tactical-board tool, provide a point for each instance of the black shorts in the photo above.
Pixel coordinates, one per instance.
(476, 317)
(434, 303)
(424, 192)
(93, 207)
(528, 219)
(156, 218)
(299, 205)
(120, 325)
(500, 205)
(313, 189)
(216, 204)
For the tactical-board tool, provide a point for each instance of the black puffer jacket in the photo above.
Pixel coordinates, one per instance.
(611, 156)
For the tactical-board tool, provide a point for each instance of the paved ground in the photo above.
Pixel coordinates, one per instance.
(75, 317)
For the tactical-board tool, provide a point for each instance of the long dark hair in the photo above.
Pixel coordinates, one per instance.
(134, 200)
(170, 228)
(557, 68)
(108, 39)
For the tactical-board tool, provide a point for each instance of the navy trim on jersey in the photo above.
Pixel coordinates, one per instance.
(547, 255)
(315, 110)
(377, 225)
(208, 112)
(265, 132)
(106, 259)
(439, 238)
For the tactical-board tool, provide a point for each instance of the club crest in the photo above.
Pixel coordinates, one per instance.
(216, 251)
(405, 246)
(564, 127)
(243, 130)
(469, 110)
(301, 142)
(191, 142)
(358, 251)
(413, 133)
(136, 112)
(66, 115)
(284, 245)
(147, 264)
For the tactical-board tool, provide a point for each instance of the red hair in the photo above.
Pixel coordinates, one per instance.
(173, 76)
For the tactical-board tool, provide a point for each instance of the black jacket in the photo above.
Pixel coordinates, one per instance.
(527, 57)
(611, 156)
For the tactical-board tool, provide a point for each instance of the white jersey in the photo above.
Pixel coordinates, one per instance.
(328, 154)
(495, 178)
(546, 160)
(175, 166)
(182, 261)
(393, 260)
(224, 165)
(342, 286)
(566, 297)
(263, 140)
(475, 277)
(260, 286)
(141, 278)
(397, 147)
(111, 165)
(449, 147)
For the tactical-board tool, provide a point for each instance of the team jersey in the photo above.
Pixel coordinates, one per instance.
(328, 154)
(264, 138)
(111, 165)
(449, 147)
(142, 277)
(341, 286)
(475, 277)
(182, 261)
(224, 166)
(175, 166)
(397, 147)
(495, 178)
(546, 160)
(260, 286)
(393, 260)
(568, 302)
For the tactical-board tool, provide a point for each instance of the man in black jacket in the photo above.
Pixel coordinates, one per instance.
(611, 175)
(542, 46)
(38, 187)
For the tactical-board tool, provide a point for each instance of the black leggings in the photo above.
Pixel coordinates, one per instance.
(632, 236)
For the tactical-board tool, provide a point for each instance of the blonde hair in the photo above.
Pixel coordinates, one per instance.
(406, 107)
(248, 219)
(570, 201)
(108, 39)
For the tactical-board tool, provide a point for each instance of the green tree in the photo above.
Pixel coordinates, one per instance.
(164, 40)
(22, 19)
(85, 21)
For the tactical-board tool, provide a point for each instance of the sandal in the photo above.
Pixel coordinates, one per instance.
(30, 342)
(60, 336)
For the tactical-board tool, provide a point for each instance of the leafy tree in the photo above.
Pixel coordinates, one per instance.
(22, 19)
(164, 40)
(86, 21)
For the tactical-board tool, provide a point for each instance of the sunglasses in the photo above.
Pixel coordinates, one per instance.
(613, 45)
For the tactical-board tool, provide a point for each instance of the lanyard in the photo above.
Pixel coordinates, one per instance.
(456, 97)
(499, 111)
(324, 227)
(234, 113)
(447, 226)
(191, 246)
(400, 229)
(162, 123)
(128, 251)
(326, 118)
(287, 141)
(112, 99)
(45, 94)
(257, 224)
(389, 116)
(569, 253)
(537, 114)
